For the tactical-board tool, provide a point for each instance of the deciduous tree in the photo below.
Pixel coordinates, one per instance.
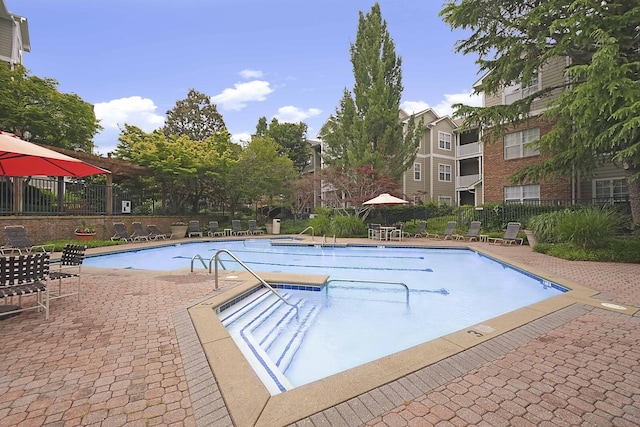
(597, 116)
(292, 138)
(33, 108)
(195, 117)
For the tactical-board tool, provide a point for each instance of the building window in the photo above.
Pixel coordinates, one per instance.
(417, 171)
(521, 90)
(610, 189)
(444, 200)
(417, 200)
(516, 144)
(522, 193)
(444, 141)
(444, 172)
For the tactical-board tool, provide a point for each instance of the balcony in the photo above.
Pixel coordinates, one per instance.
(466, 181)
(467, 150)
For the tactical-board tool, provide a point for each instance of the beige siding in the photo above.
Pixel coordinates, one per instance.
(607, 171)
(6, 38)
(491, 100)
(551, 74)
(443, 188)
(446, 127)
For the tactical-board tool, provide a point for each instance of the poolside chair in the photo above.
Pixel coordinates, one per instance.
(121, 233)
(155, 233)
(374, 231)
(472, 234)
(214, 229)
(20, 243)
(138, 232)
(510, 235)
(70, 265)
(253, 227)
(236, 228)
(194, 229)
(448, 232)
(24, 275)
(420, 231)
(398, 233)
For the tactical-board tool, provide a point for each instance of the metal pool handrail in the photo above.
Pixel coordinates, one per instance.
(313, 233)
(260, 279)
(197, 256)
(375, 282)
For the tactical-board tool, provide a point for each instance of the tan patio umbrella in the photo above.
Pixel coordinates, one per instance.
(385, 199)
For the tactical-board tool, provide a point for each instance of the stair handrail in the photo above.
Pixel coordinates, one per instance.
(197, 256)
(253, 273)
(313, 233)
(375, 282)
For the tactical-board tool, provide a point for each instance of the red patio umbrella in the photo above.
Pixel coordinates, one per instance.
(22, 158)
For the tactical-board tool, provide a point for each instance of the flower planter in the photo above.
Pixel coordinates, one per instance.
(530, 238)
(179, 231)
(85, 237)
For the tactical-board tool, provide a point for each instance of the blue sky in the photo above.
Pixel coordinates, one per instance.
(289, 59)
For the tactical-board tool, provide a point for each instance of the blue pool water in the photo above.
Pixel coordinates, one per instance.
(350, 323)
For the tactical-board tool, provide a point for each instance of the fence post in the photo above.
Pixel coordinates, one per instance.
(109, 195)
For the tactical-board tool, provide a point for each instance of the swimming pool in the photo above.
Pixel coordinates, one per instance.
(449, 290)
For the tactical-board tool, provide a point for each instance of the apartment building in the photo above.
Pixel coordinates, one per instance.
(433, 174)
(14, 37)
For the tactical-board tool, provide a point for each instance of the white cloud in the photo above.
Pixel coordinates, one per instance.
(134, 110)
(241, 138)
(443, 108)
(251, 74)
(291, 114)
(241, 94)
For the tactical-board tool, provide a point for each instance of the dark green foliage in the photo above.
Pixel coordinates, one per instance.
(321, 225)
(616, 250)
(291, 137)
(347, 226)
(588, 228)
(195, 117)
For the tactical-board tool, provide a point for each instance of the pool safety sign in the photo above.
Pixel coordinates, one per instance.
(126, 206)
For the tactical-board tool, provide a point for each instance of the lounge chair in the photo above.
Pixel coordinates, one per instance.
(448, 232)
(20, 243)
(420, 231)
(22, 275)
(236, 228)
(510, 235)
(253, 227)
(472, 234)
(155, 233)
(214, 229)
(121, 233)
(398, 233)
(194, 228)
(70, 265)
(138, 232)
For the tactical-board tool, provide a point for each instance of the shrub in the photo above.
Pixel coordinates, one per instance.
(589, 228)
(348, 226)
(545, 226)
(321, 224)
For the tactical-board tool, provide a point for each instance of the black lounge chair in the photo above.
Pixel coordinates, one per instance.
(422, 226)
(155, 233)
(510, 235)
(237, 228)
(20, 243)
(70, 265)
(448, 232)
(121, 233)
(194, 229)
(472, 234)
(253, 227)
(214, 229)
(138, 232)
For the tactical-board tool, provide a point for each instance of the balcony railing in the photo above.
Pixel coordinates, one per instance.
(467, 180)
(472, 149)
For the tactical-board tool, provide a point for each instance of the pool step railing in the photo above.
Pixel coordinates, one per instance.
(313, 233)
(215, 259)
(368, 282)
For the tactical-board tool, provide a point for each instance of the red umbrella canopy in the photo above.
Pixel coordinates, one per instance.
(385, 199)
(22, 158)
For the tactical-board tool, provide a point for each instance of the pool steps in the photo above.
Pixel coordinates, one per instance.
(264, 332)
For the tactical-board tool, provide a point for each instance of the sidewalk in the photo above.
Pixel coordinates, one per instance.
(123, 355)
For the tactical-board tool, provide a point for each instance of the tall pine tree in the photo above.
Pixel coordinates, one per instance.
(366, 129)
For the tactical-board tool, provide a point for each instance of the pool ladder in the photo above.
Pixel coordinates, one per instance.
(215, 258)
(312, 232)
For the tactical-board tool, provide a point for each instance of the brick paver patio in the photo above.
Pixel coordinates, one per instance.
(124, 354)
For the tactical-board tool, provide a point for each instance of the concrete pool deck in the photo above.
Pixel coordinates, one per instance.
(127, 354)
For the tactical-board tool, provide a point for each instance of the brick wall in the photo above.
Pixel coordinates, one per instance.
(46, 228)
(497, 170)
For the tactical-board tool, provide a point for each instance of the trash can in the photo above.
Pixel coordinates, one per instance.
(276, 226)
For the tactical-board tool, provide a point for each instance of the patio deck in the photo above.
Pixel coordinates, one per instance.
(127, 354)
